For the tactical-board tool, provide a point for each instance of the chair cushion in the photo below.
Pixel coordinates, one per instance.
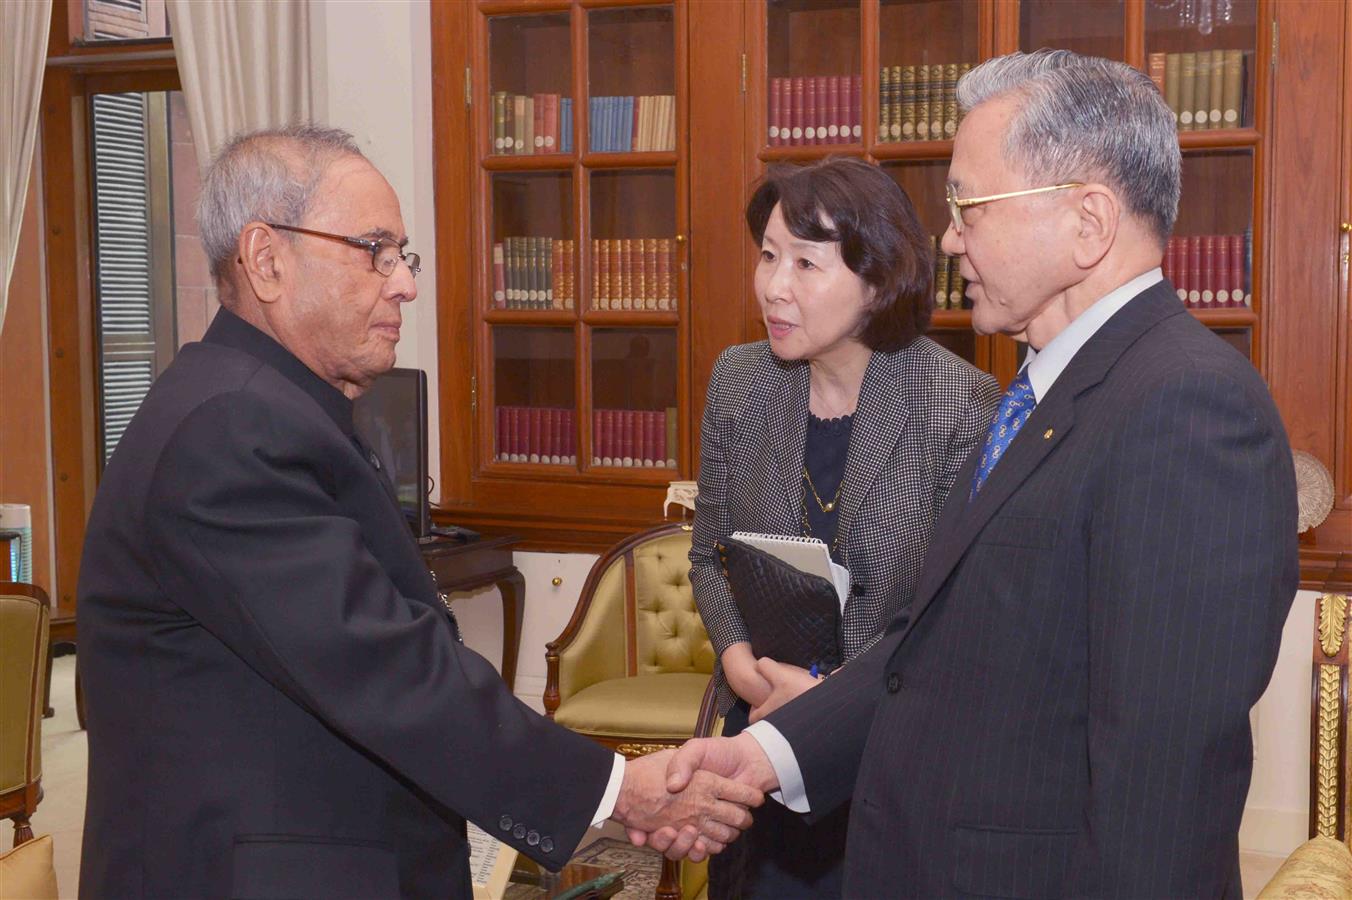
(643, 707)
(1319, 868)
(28, 870)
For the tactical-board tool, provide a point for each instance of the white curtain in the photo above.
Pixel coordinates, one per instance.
(244, 64)
(23, 35)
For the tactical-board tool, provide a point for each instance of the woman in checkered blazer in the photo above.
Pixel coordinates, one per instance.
(846, 425)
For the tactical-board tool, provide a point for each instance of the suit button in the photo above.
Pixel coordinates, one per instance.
(532, 838)
(505, 823)
(893, 683)
(547, 844)
(519, 831)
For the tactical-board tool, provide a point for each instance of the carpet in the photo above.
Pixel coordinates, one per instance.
(642, 867)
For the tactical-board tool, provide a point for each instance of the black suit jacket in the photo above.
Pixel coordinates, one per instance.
(1065, 712)
(277, 703)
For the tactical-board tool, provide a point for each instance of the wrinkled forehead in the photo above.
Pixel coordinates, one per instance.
(979, 160)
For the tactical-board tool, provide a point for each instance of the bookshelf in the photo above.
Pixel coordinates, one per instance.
(743, 77)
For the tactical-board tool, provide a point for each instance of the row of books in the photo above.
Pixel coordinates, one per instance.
(533, 273)
(1204, 89)
(634, 438)
(632, 124)
(919, 103)
(620, 437)
(949, 286)
(536, 434)
(539, 123)
(1210, 271)
(817, 109)
(633, 273)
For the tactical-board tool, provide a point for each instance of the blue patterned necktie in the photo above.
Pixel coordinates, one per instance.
(1015, 409)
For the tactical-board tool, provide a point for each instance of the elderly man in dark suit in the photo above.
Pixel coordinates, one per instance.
(278, 702)
(1064, 710)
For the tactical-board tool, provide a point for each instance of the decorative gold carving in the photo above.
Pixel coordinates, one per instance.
(634, 751)
(1326, 800)
(1332, 619)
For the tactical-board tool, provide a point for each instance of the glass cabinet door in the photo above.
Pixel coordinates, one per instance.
(633, 383)
(534, 251)
(631, 77)
(1201, 55)
(1090, 27)
(813, 78)
(530, 83)
(924, 46)
(633, 245)
(534, 398)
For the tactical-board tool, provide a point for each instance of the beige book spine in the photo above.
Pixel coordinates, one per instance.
(1187, 91)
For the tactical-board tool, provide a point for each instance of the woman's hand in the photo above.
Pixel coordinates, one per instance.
(739, 666)
(786, 682)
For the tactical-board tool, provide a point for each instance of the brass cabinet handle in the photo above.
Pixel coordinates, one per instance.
(556, 581)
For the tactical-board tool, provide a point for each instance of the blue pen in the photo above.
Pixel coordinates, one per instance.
(814, 671)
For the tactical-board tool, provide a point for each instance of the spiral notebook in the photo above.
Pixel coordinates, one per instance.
(805, 554)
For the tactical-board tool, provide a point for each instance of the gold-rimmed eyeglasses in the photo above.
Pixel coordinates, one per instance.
(385, 252)
(957, 205)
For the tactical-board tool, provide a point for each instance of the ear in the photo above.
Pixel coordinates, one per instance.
(261, 262)
(1098, 215)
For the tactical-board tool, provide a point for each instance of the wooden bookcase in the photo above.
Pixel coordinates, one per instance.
(720, 60)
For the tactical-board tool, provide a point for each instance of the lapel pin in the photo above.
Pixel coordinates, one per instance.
(1047, 435)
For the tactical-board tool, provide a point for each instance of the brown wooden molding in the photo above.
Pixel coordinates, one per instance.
(1325, 570)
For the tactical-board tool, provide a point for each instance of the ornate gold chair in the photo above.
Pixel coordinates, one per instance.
(632, 667)
(24, 614)
(1322, 866)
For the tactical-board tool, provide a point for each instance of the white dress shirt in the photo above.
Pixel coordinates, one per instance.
(612, 793)
(1044, 367)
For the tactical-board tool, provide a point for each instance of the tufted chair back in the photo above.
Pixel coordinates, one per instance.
(669, 634)
(25, 613)
(634, 662)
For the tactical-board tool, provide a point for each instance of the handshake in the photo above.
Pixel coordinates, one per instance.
(693, 802)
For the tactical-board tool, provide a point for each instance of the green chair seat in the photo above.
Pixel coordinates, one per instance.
(645, 707)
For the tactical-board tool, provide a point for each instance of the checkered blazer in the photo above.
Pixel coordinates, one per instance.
(921, 412)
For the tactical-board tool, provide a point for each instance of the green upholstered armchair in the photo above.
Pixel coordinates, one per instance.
(25, 614)
(634, 663)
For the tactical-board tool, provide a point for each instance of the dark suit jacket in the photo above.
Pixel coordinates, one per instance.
(277, 703)
(1065, 712)
(921, 411)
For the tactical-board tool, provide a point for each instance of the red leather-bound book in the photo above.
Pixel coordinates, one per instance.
(1180, 267)
(549, 445)
(608, 431)
(833, 110)
(660, 444)
(532, 429)
(856, 107)
(551, 118)
(538, 124)
(500, 434)
(776, 107)
(785, 111)
(513, 443)
(597, 430)
(824, 112)
(569, 438)
(1237, 270)
(626, 428)
(642, 439)
(1195, 270)
(796, 113)
(1222, 283)
(810, 111)
(1208, 270)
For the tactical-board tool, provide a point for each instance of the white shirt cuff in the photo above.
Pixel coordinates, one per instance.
(792, 792)
(612, 793)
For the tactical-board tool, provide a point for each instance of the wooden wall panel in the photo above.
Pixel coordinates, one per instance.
(1302, 354)
(25, 454)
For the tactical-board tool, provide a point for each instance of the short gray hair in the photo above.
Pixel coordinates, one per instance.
(268, 175)
(1081, 118)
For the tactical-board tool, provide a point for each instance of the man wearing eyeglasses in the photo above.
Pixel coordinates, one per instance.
(1063, 711)
(278, 702)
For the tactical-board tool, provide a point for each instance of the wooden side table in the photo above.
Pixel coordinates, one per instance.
(479, 564)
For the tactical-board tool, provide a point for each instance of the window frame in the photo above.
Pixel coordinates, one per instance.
(74, 71)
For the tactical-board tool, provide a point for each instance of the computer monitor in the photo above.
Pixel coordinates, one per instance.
(391, 416)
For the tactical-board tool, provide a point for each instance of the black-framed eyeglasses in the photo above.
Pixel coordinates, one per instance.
(385, 253)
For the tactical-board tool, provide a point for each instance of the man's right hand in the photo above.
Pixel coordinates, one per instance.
(738, 758)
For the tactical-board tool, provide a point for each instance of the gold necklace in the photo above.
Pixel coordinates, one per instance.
(830, 504)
